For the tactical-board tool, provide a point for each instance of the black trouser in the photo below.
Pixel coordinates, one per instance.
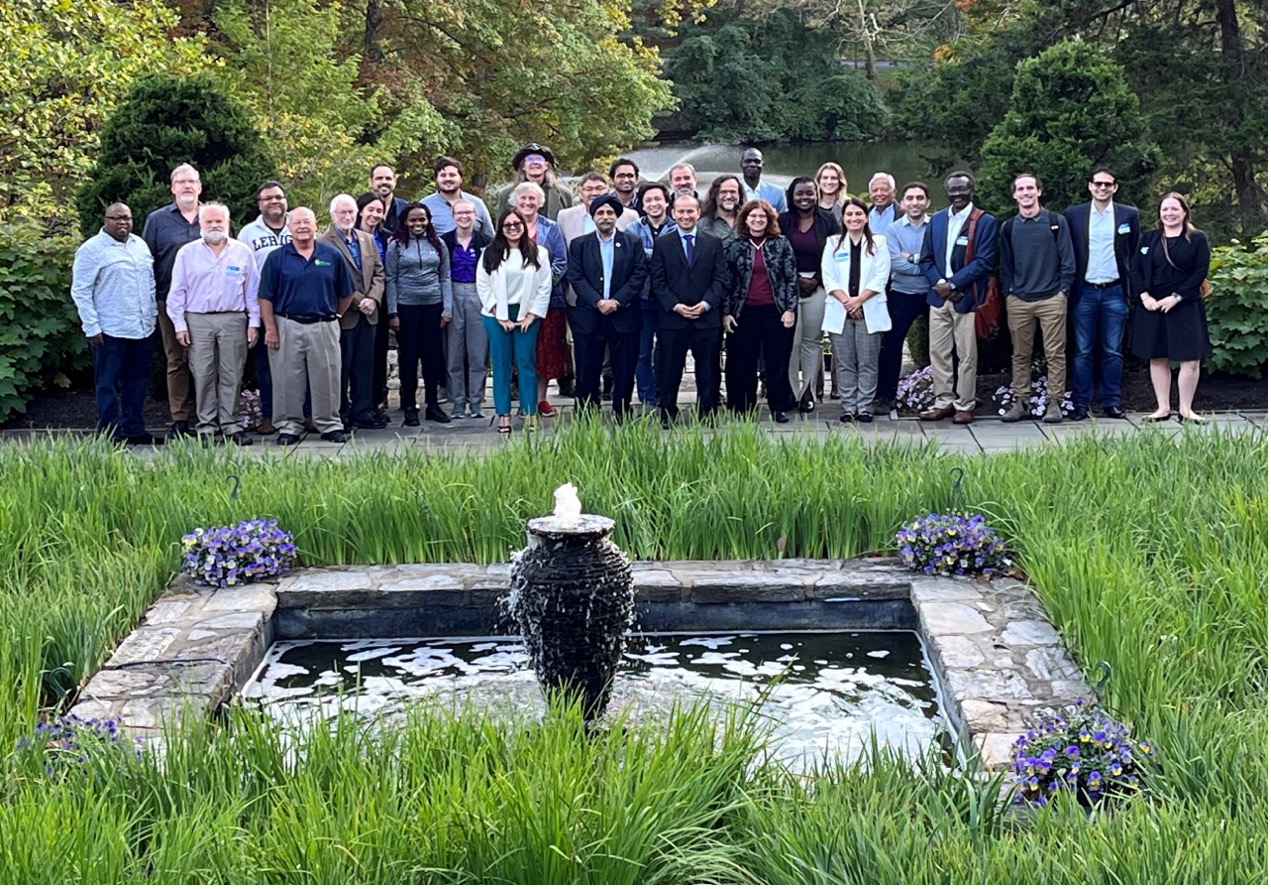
(121, 370)
(419, 340)
(357, 355)
(674, 344)
(379, 366)
(905, 309)
(589, 357)
(759, 332)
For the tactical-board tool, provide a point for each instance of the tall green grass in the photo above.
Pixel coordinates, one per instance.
(1149, 554)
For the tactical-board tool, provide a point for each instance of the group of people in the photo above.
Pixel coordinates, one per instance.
(638, 275)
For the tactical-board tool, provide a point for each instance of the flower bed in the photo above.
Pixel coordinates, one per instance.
(256, 549)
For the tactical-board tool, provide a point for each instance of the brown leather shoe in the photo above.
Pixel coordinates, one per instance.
(937, 413)
(309, 425)
(964, 418)
(266, 428)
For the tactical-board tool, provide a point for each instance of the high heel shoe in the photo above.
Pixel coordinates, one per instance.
(505, 423)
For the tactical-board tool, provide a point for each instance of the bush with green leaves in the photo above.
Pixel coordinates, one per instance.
(167, 121)
(1237, 307)
(40, 336)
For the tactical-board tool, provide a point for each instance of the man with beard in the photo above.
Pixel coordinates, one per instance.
(723, 200)
(166, 231)
(441, 203)
(213, 308)
(265, 234)
(383, 184)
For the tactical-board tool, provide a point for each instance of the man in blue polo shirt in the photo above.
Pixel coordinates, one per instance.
(305, 288)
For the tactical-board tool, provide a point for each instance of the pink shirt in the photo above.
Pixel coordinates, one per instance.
(203, 282)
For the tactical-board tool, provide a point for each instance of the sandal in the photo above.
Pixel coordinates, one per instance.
(504, 423)
(1153, 418)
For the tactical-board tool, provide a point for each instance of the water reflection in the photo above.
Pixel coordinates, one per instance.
(820, 694)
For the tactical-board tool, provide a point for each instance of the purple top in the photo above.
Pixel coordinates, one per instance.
(807, 258)
(463, 263)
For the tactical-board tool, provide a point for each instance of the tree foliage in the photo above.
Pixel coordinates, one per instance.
(1070, 109)
(167, 121)
(66, 64)
(1237, 307)
(769, 79)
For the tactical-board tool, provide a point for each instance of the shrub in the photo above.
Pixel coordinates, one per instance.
(40, 336)
(1237, 307)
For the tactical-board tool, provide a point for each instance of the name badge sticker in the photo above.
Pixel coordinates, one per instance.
(842, 256)
(233, 271)
(961, 242)
(1143, 250)
(1123, 228)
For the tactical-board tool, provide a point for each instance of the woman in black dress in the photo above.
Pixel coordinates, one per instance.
(1171, 263)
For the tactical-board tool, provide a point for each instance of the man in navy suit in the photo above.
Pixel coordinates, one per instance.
(688, 277)
(959, 252)
(607, 271)
(1104, 237)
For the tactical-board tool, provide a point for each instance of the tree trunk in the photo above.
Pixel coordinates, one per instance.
(871, 71)
(371, 34)
(1251, 197)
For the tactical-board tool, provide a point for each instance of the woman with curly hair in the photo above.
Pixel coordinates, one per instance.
(760, 306)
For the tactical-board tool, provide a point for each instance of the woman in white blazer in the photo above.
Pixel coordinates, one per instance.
(854, 269)
(514, 284)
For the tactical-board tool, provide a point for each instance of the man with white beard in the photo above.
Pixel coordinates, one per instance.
(167, 230)
(214, 310)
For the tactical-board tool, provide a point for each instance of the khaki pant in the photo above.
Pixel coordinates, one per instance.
(952, 330)
(180, 394)
(218, 351)
(1021, 318)
(306, 353)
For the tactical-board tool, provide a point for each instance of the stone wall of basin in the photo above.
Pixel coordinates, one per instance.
(996, 656)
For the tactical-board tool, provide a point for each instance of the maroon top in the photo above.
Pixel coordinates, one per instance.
(806, 257)
(760, 292)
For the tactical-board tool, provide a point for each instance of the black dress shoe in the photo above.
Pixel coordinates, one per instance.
(780, 417)
(144, 438)
(382, 416)
(1079, 413)
(180, 429)
(805, 406)
(370, 421)
(1113, 412)
(436, 414)
(242, 439)
(412, 417)
(864, 417)
(847, 417)
(288, 438)
(336, 436)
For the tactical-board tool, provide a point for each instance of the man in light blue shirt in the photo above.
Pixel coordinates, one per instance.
(112, 284)
(753, 187)
(882, 194)
(907, 292)
(448, 172)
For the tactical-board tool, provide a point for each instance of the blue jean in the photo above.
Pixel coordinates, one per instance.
(646, 379)
(121, 370)
(506, 347)
(905, 309)
(1100, 316)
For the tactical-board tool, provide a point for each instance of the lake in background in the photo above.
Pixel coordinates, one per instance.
(783, 162)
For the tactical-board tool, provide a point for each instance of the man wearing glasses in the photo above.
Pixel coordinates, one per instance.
(1104, 237)
(625, 176)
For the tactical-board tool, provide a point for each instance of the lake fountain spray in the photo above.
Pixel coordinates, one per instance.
(572, 597)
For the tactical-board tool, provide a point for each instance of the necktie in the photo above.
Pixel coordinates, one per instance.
(688, 248)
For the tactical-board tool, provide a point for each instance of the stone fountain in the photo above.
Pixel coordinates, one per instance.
(572, 597)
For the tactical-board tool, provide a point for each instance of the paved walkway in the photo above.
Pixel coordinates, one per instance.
(987, 435)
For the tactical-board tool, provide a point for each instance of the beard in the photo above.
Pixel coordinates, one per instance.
(215, 237)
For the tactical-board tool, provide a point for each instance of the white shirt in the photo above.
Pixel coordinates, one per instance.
(956, 221)
(1101, 265)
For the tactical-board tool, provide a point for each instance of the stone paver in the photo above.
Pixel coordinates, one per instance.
(996, 657)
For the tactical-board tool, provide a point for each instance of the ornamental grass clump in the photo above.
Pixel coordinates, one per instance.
(952, 544)
(1081, 750)
(252, 550)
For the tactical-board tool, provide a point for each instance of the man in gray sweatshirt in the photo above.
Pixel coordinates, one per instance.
(1037, 269)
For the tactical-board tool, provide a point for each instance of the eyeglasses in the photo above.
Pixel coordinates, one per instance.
(464, 213)
(535, 159)
(512, 226)
(1097, 184)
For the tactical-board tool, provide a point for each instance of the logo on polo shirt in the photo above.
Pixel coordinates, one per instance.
(321, 262)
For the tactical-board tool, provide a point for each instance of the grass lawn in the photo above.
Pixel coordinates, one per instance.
(1148, 553)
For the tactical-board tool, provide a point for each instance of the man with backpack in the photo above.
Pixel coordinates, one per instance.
(1037, 268)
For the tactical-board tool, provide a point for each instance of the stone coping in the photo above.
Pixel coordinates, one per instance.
(997, 658)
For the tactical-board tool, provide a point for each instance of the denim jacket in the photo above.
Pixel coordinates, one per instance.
(778, 257)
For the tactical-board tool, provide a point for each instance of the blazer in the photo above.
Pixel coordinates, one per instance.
(1124, 244)
(549, 236)
(369, 282)
(535, 287)
(970, 279)
(778, 258)
(626, 282)
(674, 281)
(573, 222)
(823, 226)
(836, 268)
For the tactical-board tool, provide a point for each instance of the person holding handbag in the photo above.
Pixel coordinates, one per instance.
(855, 268)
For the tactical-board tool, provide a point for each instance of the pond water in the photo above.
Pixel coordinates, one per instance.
(904, 160)
(820, 694)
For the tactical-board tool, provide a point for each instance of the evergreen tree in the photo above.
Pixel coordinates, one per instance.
(167, 121)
